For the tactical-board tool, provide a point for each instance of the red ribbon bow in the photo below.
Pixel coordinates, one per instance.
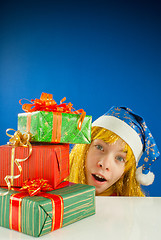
(47, 103)
(36, 186)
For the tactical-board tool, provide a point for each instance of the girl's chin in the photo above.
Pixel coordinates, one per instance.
(98, 192)
(101, 189)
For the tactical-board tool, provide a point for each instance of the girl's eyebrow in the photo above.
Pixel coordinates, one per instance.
(122, 150)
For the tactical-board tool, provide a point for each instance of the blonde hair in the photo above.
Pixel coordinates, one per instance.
(125, 186)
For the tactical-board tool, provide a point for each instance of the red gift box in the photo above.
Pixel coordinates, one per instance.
(50, 162)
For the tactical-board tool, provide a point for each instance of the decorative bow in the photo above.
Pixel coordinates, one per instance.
(18, 139)
(36, 186)
(47, 103)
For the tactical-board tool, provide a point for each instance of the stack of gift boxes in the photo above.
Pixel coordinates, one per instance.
(39, 200)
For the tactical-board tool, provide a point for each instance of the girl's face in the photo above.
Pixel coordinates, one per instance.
(105, 164)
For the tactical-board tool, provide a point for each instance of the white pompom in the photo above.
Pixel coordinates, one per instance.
(144, 179)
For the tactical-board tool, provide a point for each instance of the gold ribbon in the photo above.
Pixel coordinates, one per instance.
(17, 140)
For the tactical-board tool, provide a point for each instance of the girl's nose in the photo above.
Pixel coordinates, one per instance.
(104, 164)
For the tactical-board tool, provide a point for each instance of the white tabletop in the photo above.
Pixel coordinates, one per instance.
(121, 218)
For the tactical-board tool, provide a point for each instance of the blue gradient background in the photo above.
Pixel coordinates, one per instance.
(96, 53)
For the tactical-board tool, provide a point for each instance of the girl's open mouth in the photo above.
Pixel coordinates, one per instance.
(99, 178)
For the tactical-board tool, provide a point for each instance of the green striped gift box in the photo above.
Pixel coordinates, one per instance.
(55, 127)
(36, 212)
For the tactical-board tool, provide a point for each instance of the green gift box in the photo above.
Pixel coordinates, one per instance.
(55, 127)
(38, 215)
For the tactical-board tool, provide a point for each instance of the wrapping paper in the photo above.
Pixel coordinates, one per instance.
(37, 215)
(50, 162)
(55, 127)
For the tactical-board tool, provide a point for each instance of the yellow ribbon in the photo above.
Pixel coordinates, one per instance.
(16, 140)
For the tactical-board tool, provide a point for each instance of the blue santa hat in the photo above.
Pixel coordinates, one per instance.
(134, 131)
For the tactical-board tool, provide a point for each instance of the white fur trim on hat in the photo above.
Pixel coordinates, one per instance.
(123, 130)
(144, 179)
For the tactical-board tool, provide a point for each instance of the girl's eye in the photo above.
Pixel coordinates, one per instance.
(99, 147)
(120, 159)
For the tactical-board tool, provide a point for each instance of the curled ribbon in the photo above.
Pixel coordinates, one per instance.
(36, 186)
(18, 139)
(47, 103)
